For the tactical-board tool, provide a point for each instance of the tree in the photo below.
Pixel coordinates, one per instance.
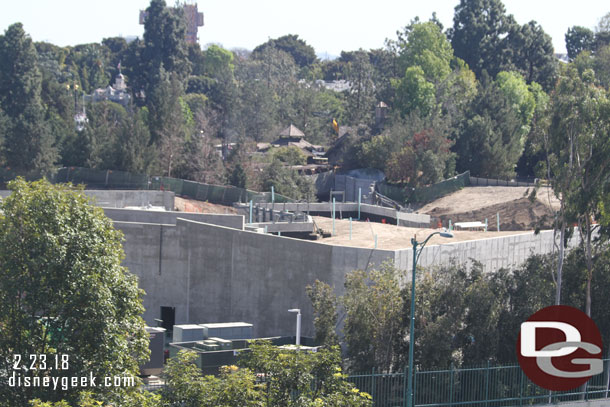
(532, 54)
(579, 39)
(324, 303)
(373, 307)
(479, 35)
(309, 379)
(28, 145)
(290, 155)
(489, 142)
(361, 95)
(424, 45)
(63, 291)
(302, 53)
(579, 151)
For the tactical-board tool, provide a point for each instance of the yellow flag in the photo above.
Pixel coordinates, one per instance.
(336, 126)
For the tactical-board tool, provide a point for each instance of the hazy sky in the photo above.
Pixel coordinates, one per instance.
(329, 26)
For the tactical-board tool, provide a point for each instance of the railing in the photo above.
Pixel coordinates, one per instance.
(491, 386)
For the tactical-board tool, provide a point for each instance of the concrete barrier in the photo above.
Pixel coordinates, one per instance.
(169, 217)
(214, 273)
(121, 199)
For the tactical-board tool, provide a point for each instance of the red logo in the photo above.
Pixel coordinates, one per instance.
(560, 348)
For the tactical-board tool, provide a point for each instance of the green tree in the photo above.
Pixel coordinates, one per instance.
(579, 147)
(63, 291)
(28, 144)
(311, 379)
(238, 177)
(489, 142)
(480, 35)
(373, 308)
(324, 303)
(290, 155)
(302, 53)
(287, 182)
(579, 39)
(361, 95)
(532, 54)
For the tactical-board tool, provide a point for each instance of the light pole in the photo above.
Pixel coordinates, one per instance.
(298, 312)
(415, 243)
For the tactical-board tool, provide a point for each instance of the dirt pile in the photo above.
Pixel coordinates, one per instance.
(191, 205)
(516, 210)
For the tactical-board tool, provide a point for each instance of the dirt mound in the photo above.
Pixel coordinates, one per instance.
(191, 205)
(516, 211)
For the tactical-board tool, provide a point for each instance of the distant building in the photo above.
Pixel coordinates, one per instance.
(116, 93)
(292, 136)
(194, 20)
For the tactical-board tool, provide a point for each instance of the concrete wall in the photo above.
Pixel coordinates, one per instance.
(493, 253)
(121, 199)
(406, 219)
(218, 274)
(587, 403)
(169, 217)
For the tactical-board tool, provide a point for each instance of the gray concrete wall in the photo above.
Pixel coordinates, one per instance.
(493, 253)
(406, 219)
(121, 199)
(587, 403)
(217, 274)
(169, 217)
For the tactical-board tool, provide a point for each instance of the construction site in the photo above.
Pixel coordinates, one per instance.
(202, 262)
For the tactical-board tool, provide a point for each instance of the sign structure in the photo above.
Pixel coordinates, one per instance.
(560, 348)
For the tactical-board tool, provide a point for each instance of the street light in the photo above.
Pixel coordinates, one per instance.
(298, 311)
(416, 253)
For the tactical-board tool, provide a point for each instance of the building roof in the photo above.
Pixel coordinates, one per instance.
(292, 131)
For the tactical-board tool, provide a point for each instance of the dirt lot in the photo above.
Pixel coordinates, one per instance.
(390, 237)
(191, 205)
(516, 211)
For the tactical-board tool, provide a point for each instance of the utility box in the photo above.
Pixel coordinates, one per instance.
(154, 366)
(223, 344)
(228, 330)
(188, 333)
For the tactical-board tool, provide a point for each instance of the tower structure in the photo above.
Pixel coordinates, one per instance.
(194, 20)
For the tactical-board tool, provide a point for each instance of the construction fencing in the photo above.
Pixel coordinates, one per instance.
(480, 182)
(491, 386)
(218, 194)
(424, 194)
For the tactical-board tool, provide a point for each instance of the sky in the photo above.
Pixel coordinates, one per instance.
(330, 26)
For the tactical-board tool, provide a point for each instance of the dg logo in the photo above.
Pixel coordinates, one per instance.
(560, 348)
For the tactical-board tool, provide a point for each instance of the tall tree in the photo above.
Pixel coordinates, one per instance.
(489, 142)
(64, 293)
(28, 145)
(532, 54)
(302, 53)
(580, 154)
(579, 39)
(480, 35)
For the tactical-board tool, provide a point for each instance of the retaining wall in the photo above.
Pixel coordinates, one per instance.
(121, 199)
(218, 274)
(169, 217)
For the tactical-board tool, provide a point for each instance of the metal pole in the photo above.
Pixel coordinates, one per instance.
(299, 328)
(333, 216)
(250, 211)
(486, 224)
(498, 220)
(359, 201)
(412, 327)
(272, 194)
(375, 241)
(450, 226)
(350, 228)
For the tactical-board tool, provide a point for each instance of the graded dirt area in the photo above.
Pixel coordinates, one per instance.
(192, 205)
(516, 210)
(390, 237)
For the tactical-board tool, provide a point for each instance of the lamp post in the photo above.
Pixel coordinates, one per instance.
(298, 312)
(416, 253)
